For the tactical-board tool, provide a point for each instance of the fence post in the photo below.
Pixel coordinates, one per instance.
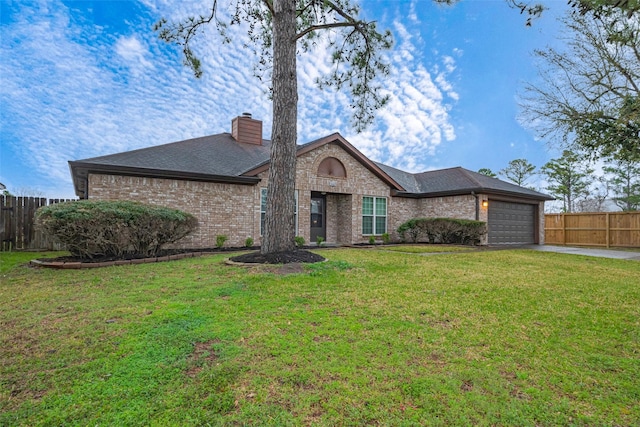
(608, 230)
(564, 229)
(7, 214)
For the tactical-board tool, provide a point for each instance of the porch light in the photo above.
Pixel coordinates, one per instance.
(485, 203)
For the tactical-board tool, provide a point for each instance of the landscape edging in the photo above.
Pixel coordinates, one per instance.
(76, 265)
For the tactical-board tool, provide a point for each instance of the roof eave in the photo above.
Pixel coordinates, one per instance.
(467, 191)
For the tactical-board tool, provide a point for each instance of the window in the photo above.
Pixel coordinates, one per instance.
(374, 215)
(332, 167)
(263, 209)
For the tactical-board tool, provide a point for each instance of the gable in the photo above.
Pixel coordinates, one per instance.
(353, 153)
(356, 179)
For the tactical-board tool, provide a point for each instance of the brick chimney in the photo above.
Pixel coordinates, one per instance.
(246, 130)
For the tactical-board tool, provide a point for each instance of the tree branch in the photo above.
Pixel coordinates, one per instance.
(269, 4)
(340, 12)
(324, 27)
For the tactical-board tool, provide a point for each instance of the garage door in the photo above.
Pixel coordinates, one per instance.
(511, 223)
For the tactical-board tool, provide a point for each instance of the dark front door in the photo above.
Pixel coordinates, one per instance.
(318, 220)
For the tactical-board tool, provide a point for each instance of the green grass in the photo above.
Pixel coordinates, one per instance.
(371, 337)
(10, 260)
(426, 249)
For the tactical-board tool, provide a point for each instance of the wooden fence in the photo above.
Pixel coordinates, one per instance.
(17, 229)
(607, 229)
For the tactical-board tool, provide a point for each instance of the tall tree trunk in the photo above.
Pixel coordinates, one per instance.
(279, 230)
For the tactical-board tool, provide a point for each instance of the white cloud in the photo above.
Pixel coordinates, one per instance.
(133, 52)
(449, 63)
(413, 16)
(125, 91)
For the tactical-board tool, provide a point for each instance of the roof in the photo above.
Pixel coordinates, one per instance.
(220, 158)
(406, 179)
(459, 180)
(215, 154)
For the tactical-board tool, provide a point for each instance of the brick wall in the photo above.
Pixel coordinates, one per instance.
(541, 223)
(400, 210)
(461, 207)
(229, 209)
(344, 218)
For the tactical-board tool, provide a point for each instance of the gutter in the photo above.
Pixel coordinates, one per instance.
(467, 191)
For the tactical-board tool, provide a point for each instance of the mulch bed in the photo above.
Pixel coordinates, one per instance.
(128, 257)
(297, 256)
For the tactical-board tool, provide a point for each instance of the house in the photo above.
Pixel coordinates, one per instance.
(341, 195)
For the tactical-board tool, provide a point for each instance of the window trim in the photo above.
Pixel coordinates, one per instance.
(375, 216)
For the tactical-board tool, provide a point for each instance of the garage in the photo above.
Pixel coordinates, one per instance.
(511, 223)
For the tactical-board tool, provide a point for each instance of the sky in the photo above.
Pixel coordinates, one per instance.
(80, 79)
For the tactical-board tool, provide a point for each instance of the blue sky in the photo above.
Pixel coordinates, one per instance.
(80, 79)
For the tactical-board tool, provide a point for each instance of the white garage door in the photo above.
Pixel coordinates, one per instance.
(511, 223)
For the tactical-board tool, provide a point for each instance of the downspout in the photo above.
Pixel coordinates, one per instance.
(477, 205)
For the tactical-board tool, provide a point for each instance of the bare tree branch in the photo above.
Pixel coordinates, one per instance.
(588, 93)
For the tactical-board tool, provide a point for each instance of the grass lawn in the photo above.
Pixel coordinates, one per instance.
(371, 337)
(426, 249)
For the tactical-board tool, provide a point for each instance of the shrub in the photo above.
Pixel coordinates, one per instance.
(372, 240)
(220, 240)
(299, 240)
(443, 230)
(411, 230)
(385, 238)
(248, 242)
(92, 228)
(319, 240)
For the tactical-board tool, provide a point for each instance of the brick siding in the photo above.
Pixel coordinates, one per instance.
(229, 209)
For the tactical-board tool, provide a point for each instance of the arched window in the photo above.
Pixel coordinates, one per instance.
(332, 167)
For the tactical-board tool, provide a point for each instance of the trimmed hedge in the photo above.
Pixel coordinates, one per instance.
(442, 230)
(91, 228)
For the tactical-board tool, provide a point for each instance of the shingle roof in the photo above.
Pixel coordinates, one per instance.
(406, 179)
(459, 180)
(221, 157)
(211, 155)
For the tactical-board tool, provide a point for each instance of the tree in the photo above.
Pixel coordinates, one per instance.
(534, 9)
(487, 172)
(568, 178)
(277, 29)
(519, 171)
(531, 9)
(599, 7)
(26, 191)
(625, 183)
(589, 95)
(4, 190)
(595, 200)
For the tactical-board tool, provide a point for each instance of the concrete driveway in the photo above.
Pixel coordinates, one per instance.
(603, 253)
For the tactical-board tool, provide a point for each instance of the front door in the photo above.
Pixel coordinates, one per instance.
(318, 220)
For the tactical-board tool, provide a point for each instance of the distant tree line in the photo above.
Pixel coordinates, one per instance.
(570, 178)
(23, 191)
